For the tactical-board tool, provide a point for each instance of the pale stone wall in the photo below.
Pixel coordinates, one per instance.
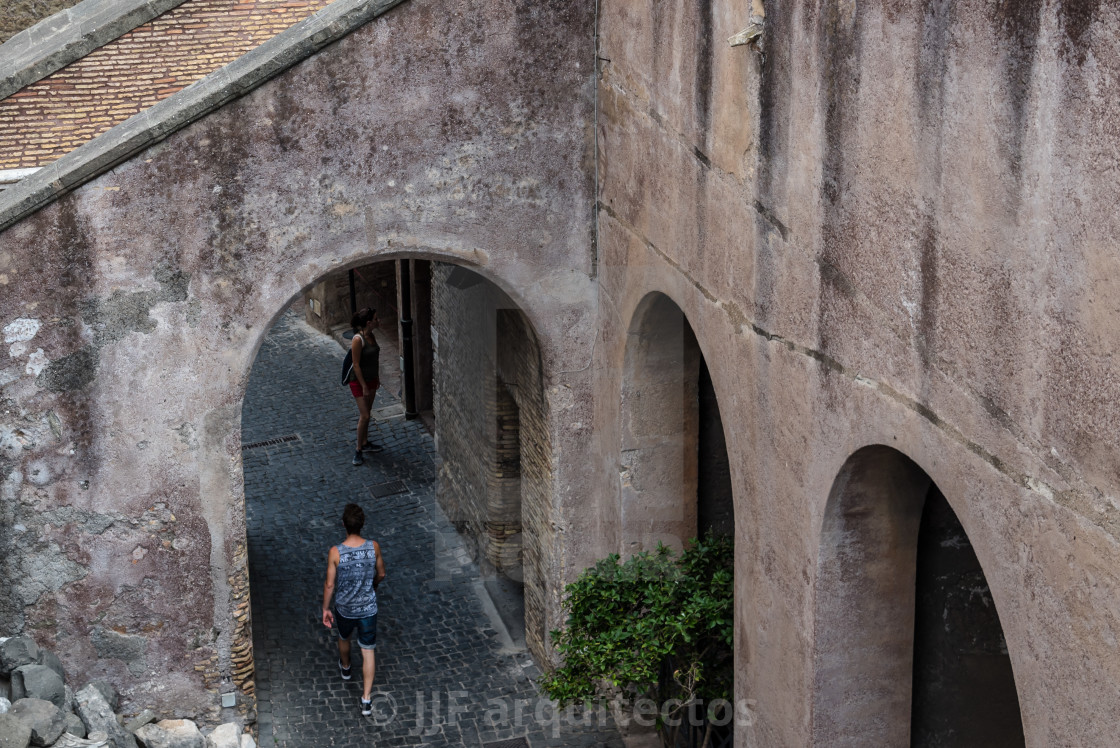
(891, 223)
(16, 17)
(886, 224)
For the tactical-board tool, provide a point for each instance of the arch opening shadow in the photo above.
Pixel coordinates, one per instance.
(909, 647)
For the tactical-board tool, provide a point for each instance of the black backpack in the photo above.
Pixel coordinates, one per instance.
(347, 367)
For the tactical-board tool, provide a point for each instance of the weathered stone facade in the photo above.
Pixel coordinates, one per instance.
(133, 308)
(888, 226)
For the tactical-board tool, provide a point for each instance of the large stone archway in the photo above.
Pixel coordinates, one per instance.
(147, 291)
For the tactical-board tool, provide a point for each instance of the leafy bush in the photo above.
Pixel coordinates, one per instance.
(630, 623)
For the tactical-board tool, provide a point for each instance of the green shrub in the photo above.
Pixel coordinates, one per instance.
(630, 623)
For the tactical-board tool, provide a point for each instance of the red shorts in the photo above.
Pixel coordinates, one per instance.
(356, 388)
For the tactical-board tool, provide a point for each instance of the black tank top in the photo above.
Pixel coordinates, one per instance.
(368, 362)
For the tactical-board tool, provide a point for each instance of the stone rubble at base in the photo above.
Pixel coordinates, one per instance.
(37, 708)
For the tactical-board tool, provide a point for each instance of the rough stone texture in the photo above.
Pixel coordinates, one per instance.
(108, 692)
(38, 682)
(145, 717)
(18, 17)
(224, 736)
(74, 725)
(171, 733)
(128, 648)
(17, 652)
(98, 716)
(13, 732)
(5, 705)
(45, 720)
(50, 659)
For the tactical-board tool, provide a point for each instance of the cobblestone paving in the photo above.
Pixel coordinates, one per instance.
(444, 677)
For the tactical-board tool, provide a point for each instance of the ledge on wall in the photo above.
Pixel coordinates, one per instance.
(192, 103)
(69, 35)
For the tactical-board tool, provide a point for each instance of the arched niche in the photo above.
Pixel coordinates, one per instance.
(659, 429)
(674, 474)
(894, 561)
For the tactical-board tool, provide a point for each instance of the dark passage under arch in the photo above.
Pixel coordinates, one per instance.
(964, 690)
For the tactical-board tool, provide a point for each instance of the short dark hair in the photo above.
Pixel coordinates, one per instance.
(353, 518)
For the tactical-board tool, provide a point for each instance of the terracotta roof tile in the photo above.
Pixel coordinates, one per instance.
(132, 73)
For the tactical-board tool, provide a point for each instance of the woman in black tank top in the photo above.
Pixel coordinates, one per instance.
(365, 375)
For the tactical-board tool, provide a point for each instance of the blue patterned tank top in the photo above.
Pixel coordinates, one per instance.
(354, 596)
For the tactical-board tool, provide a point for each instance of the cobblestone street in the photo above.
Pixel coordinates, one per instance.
(447, 673)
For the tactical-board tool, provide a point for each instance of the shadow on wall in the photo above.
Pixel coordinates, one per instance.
(910, 650)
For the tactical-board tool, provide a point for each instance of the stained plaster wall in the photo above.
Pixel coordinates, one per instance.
(133, 307)
(893, 223)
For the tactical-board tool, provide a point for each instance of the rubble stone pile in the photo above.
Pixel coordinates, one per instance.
(38, 708)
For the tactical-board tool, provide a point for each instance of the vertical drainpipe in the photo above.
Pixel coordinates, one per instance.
(353, 295)
(407, 376)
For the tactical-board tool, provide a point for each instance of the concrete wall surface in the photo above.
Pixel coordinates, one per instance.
(887, 223)
(132, 309)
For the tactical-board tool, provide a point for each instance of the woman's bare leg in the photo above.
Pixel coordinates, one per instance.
(364, 404)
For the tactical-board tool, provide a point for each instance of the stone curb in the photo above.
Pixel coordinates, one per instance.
(192, 103)
(69, 35)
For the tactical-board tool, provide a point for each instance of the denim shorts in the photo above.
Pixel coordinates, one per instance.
(367, 629)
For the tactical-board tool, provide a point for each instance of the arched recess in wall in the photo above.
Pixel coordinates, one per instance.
(909, 646)
(674, 472)
(484, 370)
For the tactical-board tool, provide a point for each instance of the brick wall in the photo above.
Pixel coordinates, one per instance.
(462, 383)
(519, 368)
(492, 434)
(50, 118)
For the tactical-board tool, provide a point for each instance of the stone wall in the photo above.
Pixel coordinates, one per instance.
(15, 17)
(887, 223)
(133, 307)
(521, 375)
